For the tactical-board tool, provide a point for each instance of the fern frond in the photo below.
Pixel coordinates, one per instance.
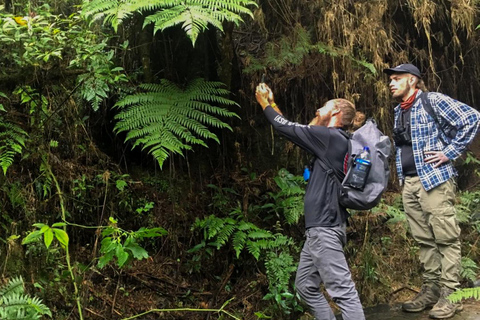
(468, 269)
(12, 142)
(238, 242)
(224, 234)
(280, 268)
(254, 249)
(244, 225)
(14, 286)
(16, 305)
(260, 234)
(167, 119)
(465, 294)
(193, 15)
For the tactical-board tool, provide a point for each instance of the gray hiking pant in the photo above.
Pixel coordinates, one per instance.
(323, 261)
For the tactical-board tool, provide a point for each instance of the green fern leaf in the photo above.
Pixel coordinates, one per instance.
(238, 242)
(168, 119)
(14, 286)
(16, 305)
(12, 142)
(193, 15)
(260, 234)
(465, 294)
(254, 249)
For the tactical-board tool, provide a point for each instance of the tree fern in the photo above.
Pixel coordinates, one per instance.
(12, 142)
(165, 118)
(193, 15)
(16, 305)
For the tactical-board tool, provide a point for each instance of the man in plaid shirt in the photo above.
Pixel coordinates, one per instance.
(424, 155)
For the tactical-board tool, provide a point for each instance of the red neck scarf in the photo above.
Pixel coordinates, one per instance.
(407, 104)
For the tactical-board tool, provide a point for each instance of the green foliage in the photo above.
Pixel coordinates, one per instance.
(273, 249)
(32, 41)
(12, 142)
(465, 294)
(471, 159)
(145, 208)
(168, 119)
(16, 305)
(243, 235)
(222, 198)
(193, 15)
(292, 50)
(44, 182)
(469, 269)
(123, 245)
(46, 42)
(289, 200)
(35, 102)
(48, 233)
(101, 73)
(394, 211)
(280, 266)
(468, 204)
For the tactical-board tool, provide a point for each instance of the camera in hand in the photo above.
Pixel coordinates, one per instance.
(401, 136)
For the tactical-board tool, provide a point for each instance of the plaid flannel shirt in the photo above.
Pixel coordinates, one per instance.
(425, 136)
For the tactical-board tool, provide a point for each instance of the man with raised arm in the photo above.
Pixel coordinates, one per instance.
(322, 259)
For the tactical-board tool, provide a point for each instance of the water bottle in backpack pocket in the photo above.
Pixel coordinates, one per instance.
(357, 176)
(367, 173)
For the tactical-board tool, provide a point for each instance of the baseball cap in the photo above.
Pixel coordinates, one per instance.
(404, 68)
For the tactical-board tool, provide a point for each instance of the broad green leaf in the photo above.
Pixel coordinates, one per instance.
(48, 237)
(61, 236)
(58, 224)
(105, 259)
(138, 252)
(122, 256)
(39, 225)
(32, 237)
(108, 244)
(121, 184)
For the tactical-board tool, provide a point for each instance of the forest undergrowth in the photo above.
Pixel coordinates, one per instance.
(140, 180)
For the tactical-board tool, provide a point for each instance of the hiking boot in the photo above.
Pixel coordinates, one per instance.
(427, 297)
(444, 309)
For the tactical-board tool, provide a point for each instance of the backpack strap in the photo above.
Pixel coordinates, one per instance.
(327, 165)
(427, 106)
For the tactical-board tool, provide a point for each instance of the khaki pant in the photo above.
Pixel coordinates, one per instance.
(434, 225)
